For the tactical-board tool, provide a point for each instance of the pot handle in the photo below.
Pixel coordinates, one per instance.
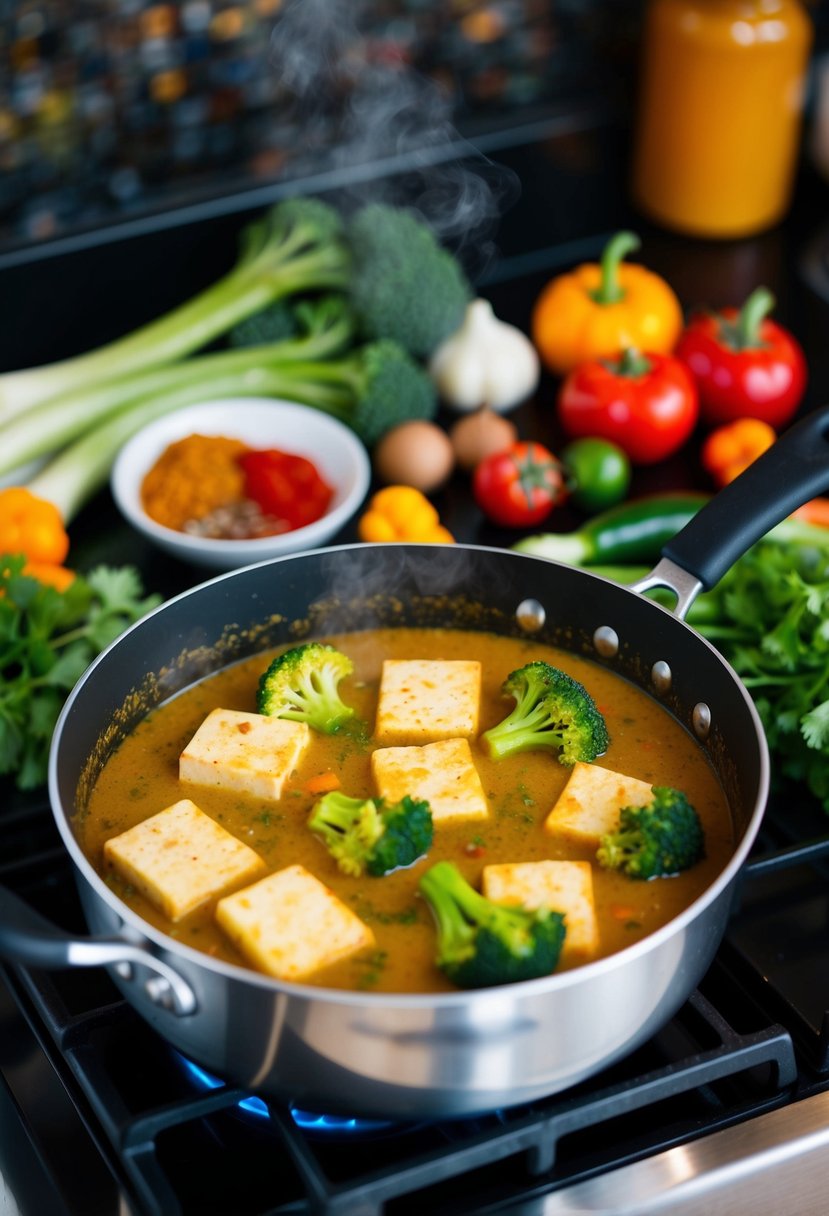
(794, 469)
(28, 938)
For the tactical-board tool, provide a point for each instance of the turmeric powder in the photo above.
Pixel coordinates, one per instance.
(193, 477)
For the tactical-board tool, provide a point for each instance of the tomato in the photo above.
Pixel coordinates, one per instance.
(745, 364)
(647, 404)
(286, 486)
(519, 486)
(598, 473)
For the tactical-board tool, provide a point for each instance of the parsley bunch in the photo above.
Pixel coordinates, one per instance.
(769, 617)
(47, 640)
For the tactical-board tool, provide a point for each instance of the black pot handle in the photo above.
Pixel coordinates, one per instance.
(27, 938)
(794, 469)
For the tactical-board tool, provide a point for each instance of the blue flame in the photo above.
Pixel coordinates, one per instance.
(306, 1120)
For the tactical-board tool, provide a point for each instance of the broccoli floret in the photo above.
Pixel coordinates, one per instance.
(551, 710)
(655, 840)
(368, 835)
(272, 324)
(303, 684)
(481, 943)
(404, 284)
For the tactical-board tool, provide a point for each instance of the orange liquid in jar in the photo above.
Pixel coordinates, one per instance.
(721, 96)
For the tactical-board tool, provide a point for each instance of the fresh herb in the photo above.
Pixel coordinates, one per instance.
(375, 965)
(47, 640)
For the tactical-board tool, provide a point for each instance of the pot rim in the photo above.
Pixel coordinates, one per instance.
(135, 925)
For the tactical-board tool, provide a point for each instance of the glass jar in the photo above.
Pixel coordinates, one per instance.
(721, 96)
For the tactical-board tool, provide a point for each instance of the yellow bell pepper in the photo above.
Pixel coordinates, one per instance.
(402, 513)
(601, 308)
(32, 526)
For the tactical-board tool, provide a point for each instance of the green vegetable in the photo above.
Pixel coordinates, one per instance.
(481, 943)
(297, 246)
(403, 285)
(48, 638)
(366, 835)
(655, 840)
(634, 531)
(552, 710)
(302, 684)
(370, 388)
(598, 473)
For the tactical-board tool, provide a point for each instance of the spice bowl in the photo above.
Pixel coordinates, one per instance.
(261, 424)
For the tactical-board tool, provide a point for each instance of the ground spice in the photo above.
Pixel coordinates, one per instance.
(193, 477)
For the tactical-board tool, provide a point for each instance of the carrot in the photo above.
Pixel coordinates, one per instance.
(322, 783)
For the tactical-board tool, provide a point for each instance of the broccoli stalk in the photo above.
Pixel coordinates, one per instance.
(551, 710)
(302, 684)
(369, 389)
(365, 835)
(296, 246)
(481, 943)
(655, 840)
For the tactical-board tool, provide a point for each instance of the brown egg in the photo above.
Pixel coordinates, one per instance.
(478, 435)
(418, 454)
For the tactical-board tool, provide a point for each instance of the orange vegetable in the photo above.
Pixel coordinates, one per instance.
(322, 783)
(31, 526)
(733, 447)
(402, 513)
(50, 573)
(599, 309)
(815, 511)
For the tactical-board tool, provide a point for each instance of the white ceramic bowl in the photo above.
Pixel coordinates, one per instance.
(261, 422)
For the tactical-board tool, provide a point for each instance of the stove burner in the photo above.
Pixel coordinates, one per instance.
(309, 1121)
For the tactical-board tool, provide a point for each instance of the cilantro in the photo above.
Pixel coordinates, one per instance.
(48, 638)
(769, 617)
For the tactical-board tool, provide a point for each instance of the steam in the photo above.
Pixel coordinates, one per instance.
(361, 104)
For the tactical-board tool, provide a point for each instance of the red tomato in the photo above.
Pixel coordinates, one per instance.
(286, 486)
(646, 404)
(519, 486)
(745, 365)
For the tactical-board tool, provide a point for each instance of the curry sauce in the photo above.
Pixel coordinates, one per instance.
(141, 778)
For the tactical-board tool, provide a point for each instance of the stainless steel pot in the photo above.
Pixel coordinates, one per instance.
(413, 1056)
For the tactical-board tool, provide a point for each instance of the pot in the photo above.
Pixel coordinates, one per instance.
(398, 1056)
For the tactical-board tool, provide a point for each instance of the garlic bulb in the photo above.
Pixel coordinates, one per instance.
(486, 362)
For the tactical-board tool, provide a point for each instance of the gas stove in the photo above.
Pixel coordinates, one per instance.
(727, 1106)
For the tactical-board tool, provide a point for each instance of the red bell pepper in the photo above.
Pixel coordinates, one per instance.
(646, 404)
(745, 364)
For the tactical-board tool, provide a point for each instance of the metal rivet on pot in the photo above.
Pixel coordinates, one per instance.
(124, 970)
(606, 641)
(701, 718)
(661, 676)
(530, 615)
(160, 992)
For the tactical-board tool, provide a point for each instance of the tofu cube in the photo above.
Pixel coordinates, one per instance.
(252, 753)
(425, 699)
(590, 803)
(290, 925)
(181, 857)
(443, 773)
(563, 886)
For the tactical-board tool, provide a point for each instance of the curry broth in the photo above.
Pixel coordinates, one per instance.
(141, 778)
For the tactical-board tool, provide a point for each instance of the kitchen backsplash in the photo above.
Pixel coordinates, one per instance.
(111, 109)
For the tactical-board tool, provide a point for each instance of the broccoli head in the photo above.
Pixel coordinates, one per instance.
(655, 840)
(551, 710)
(367, 835)
(481, 943)
(404, 284)
(303, 684)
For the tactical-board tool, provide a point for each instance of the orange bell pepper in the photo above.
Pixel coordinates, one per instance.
(32, 526)
(733, 447)
(599, 309)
